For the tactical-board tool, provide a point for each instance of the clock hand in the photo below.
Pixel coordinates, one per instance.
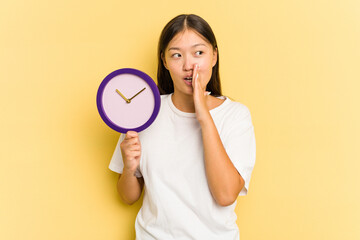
(127, 100)
(137, 94)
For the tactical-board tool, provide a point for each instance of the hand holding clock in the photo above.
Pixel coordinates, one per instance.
(129, 118)
(130, 146)
(131, 151)
(129, 185)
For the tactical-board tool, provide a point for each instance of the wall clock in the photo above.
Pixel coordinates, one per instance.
(128, 100)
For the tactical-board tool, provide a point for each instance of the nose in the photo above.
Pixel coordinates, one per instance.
(188, 64)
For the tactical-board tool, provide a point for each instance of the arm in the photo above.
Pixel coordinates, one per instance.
(224, 180)
(129, 186)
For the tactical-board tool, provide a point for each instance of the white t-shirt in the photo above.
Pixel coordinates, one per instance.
(177, 200)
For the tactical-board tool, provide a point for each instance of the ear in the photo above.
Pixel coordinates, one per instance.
(164, 60)
(214, 57)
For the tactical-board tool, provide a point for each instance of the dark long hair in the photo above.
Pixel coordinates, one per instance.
(176, 25)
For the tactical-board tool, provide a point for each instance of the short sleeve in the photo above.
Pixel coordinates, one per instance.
(240, 146)
(116, 163)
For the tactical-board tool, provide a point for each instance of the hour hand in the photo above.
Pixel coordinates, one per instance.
(127, 100)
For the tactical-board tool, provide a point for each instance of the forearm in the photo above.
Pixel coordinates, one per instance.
(129, 187)
(224, 180)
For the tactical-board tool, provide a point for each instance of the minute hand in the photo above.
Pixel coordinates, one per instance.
(137, 94)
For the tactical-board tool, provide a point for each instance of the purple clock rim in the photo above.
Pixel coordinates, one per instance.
(149, 81)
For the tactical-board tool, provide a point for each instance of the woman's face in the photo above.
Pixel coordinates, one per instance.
(186, 49)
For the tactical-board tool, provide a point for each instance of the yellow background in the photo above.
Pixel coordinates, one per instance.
(295, 64)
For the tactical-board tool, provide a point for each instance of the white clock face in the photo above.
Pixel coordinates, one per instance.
(140, 105)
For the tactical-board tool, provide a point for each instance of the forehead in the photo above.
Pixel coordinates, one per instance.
(188, 38)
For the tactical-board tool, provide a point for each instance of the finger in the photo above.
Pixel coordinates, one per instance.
(131, 134)
(195, 71)
(195, 74)
(135, 140)
(131, 141)
(197, 82)
(133, 154)
(135, 148)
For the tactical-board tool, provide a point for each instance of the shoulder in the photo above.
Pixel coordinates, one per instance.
(237, 110)
(164, 101)
(231, 117)
(164, 96)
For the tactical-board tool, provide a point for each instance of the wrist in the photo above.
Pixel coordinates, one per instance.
(205, 119)
(130, 171)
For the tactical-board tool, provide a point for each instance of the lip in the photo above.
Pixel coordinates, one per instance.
(187, 82)
(187, 76)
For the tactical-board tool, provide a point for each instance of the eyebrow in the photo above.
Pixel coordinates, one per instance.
(196, 45)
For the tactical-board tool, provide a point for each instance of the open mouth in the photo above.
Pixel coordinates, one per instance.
(189, 79)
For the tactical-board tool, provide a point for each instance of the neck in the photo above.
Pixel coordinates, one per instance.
(184, 103)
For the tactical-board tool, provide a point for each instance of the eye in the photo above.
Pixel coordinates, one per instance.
(199, 53)
(176, 55)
